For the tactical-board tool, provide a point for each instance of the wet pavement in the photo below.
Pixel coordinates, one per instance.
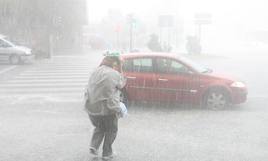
(50, 128)
(61, 131)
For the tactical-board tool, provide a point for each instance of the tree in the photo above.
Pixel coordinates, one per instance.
(154, 44)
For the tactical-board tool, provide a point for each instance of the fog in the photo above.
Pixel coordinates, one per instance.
(237, 26)
(221, 27)
(196, 83)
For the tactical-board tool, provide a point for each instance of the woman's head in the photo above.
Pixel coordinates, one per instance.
(112, 61)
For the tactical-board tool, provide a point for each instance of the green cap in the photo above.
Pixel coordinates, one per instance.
(111, 53)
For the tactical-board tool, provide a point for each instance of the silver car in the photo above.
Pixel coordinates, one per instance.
(14, 54)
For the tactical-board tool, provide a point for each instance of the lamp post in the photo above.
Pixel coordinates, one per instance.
(131, 21)
(200, 20)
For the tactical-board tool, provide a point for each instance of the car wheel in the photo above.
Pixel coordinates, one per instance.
(216, 99)
(14, 59)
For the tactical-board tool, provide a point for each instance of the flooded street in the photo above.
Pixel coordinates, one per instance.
(192, 74)
(41, 121)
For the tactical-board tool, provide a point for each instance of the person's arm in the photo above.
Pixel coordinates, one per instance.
(120, 69)
(121, 81)
(116, 82)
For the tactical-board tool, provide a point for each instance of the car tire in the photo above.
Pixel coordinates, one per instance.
(216, 99)
(14, 59)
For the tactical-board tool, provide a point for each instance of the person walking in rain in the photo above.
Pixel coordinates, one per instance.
(103, 104)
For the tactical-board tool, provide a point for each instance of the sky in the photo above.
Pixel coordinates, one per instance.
(237, 9)
(229, 17)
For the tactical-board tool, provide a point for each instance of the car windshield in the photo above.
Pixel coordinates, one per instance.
(11, 42)
(198, 67)
(8, 42)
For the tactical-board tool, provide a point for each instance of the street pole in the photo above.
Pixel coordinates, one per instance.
(202, 19)
(117, 40)
(131, 37)
(199, 32)
(51, 46)
(131, 20)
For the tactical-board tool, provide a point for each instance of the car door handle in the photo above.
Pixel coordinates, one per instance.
(131, 77)
(163, 80)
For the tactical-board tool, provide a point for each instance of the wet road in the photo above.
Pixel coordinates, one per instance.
(46, 124)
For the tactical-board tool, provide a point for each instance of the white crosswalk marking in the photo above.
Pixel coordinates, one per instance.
(7, 69)
(57, 80)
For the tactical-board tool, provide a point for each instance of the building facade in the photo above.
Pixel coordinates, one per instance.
(41, 23)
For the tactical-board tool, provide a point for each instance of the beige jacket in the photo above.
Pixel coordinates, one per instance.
(103, 91)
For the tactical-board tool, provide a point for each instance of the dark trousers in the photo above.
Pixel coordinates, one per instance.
(105, 129)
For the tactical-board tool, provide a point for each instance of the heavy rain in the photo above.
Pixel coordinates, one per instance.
(196, 82)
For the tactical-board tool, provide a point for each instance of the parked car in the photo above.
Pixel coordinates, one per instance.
(169, 78)
(14, 54)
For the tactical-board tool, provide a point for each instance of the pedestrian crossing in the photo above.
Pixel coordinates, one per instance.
(58, 80)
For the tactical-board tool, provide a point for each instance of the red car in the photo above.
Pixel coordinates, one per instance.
(169, 78)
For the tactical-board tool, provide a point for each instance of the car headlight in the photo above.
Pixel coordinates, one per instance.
(238, 84)
(28, 52)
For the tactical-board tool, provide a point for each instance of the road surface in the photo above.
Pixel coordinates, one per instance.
(42, 118)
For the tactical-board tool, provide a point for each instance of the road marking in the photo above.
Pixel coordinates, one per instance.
(258, 96)
(56, 80)
(71, 98)
(46, 77)
(52, 74)
(53, 89)
(7, 69)
(52, 85)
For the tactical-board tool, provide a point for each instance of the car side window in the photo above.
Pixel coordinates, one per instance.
(177, 67)
(169, 66)
(3, 44)
(128, 66)
(162, 65)
(142, 65)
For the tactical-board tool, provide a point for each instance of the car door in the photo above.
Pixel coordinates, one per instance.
(141, 78)
(175, 81)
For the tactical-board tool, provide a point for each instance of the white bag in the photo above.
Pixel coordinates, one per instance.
(123, 110)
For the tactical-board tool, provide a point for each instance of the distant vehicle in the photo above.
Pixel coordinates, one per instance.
(14, 54)
(168, 78)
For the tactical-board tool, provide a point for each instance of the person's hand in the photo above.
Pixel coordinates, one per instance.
(118, 67)
(123, 112)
